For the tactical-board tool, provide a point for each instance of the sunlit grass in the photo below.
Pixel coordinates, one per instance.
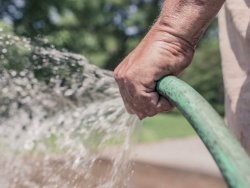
(163, 126)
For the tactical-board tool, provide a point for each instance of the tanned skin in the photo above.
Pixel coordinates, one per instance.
(167, 49)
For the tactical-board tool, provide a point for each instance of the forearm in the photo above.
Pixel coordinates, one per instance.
(187, 19)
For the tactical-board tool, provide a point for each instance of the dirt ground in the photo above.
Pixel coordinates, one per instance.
(143, 176)
(151, 176)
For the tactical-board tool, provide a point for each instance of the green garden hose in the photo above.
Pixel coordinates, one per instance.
(230, 157)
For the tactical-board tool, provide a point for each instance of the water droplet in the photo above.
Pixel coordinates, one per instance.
(4, 51)
(68, 92)
(13, 73)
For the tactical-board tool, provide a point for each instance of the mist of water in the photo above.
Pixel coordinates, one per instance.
(57, 113)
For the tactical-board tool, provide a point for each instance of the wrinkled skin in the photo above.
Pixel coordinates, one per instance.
(158, 54)
(167, 49)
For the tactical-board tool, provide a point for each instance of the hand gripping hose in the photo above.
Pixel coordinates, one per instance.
(230, 157)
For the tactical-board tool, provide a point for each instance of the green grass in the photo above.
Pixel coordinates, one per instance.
(163, 126)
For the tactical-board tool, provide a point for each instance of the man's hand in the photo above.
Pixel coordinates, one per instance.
(166, 50)
(157, 55)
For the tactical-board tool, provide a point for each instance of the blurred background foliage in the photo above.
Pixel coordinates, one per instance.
(106, 30)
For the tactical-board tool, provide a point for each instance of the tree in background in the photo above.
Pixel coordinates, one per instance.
(204, 74)
(106, 30)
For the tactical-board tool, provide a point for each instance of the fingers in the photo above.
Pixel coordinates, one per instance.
(137, 88)
(122, 85)
(146, 104)
(127, 106)
(164, 105)
(137, 100)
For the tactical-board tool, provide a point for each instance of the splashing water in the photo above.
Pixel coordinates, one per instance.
(57, 113)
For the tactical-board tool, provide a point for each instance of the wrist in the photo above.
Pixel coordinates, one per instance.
(188, 19)
(173, 41)
(171, 53)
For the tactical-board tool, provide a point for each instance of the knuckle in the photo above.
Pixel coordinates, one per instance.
(116, 74)
(147, 100)
(129, 75)
(118, 77)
